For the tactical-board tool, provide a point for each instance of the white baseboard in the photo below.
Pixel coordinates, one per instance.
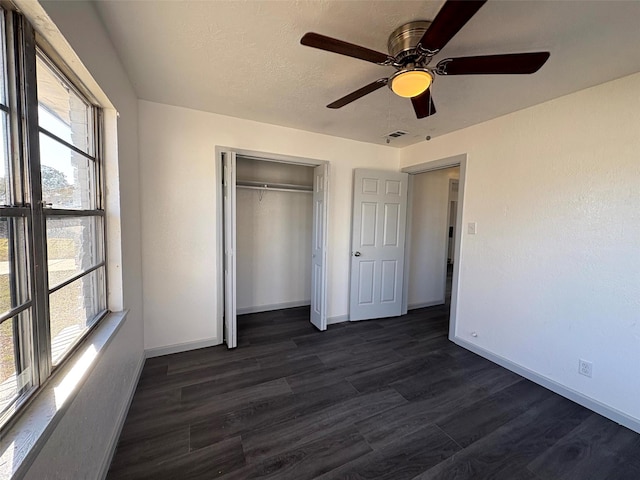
(581, 399)
(275, 306)
(122, 416)
(337, 319)
(181, 347)
(413, 306)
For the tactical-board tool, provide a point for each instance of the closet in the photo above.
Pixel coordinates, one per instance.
(273, 243)
(274, 221)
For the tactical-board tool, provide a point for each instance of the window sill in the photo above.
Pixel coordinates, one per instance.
(22, 441)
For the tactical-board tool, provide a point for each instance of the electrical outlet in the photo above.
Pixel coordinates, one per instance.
(585, 368)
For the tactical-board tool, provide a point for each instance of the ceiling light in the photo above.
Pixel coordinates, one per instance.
(411, 83)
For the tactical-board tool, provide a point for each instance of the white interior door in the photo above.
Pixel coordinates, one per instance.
(319, 248)
(229, 200)
(377, 247)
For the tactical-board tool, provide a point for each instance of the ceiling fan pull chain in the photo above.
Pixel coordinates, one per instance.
(388, 115)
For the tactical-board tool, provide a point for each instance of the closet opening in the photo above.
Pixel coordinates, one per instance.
(274, 219)
(273, 247)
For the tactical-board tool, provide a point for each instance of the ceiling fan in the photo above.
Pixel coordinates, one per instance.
(412, 47)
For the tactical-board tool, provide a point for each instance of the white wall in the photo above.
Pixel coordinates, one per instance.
(429, 237)
(273, 249)
(80, 444)
(179, 186)
(553, 274)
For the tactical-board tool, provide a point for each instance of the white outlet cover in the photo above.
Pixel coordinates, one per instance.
(472, 228)
(585, 368)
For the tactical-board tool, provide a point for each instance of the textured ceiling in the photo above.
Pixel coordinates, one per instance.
(244, 59)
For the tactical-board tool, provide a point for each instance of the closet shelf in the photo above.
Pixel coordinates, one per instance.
(278, 187)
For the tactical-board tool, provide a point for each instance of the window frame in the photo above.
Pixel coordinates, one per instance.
(22, 46)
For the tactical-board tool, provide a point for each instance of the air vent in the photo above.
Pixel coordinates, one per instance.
(396, 134)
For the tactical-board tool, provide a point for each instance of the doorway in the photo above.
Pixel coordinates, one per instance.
(434, 226)
(431, 235)
(273, 218)
(452, 215)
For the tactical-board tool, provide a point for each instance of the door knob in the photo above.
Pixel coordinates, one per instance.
(357, 254)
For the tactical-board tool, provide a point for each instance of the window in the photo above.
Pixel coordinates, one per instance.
(52, 239)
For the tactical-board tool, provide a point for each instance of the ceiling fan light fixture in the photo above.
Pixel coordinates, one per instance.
(411, 83)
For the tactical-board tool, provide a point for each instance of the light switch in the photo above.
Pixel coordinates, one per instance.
(472, 229)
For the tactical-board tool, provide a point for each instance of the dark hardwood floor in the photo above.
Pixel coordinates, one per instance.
(381, 399)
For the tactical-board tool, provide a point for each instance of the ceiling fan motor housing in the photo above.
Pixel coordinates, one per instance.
(403, 40)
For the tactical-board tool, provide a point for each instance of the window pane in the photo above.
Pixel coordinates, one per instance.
(61, 110)
(68, 178)
(5, 170)
(14, 285)
(73, 309)
(5, 164)
(3, 61)
(15, 359)
(72, 246)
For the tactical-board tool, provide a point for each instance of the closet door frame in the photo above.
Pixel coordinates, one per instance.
(220, 219)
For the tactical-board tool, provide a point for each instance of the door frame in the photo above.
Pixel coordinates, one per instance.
(454, 161)
(219, 213)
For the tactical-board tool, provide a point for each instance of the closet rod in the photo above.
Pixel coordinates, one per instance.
(278, 187)
(272, 189)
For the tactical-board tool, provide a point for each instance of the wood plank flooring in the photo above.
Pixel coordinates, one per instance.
(381, 399)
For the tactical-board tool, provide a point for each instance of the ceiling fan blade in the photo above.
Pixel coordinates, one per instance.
(334, 45)
(510, 63)
(453, 15)
(423, 104)
(361, 92)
